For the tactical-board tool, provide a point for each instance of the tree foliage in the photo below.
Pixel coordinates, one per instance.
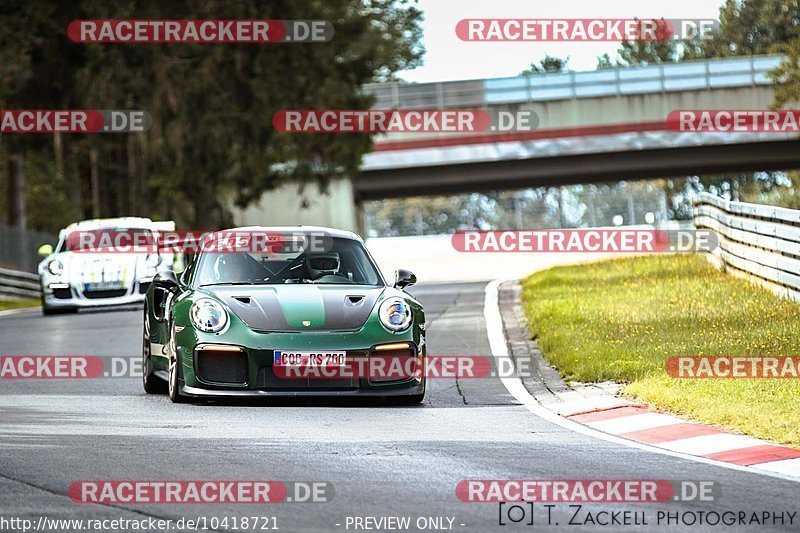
(212, 142)
(752, 27)
(547, 64)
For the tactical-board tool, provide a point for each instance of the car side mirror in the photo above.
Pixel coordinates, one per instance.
(45, 250)
(166, 279)
(404, 278)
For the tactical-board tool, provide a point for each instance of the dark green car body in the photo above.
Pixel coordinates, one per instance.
(237, 361)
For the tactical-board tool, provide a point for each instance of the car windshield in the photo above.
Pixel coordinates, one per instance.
(106, 238)
(287, 258)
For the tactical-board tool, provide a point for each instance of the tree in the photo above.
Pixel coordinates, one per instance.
(604, 62)
(546, 65)
(787, 76)
(212, 142)
(643, 53)
(751, 27)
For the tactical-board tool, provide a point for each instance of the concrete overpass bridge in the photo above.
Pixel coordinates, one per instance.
(593, 126)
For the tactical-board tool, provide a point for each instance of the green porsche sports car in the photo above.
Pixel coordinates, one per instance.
(282, 311)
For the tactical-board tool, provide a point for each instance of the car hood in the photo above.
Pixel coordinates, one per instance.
(299, 307)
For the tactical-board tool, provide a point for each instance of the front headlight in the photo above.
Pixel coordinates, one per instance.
(208, 315)
(55, 267)
(395, 314)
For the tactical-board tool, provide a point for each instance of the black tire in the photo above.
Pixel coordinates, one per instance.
(152, 384)
(174, 389)
(46, 309)
(50, 311)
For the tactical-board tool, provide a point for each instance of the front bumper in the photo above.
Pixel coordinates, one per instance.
(70, 296)
(217, 370)
(410, 389)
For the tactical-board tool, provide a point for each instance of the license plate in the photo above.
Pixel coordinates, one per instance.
(103, 286)
(310, 359)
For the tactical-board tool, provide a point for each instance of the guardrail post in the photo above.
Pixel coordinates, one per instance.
(573, 84)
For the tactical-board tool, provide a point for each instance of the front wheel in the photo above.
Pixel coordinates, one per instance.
(152, 384)
(174, 383)
(49, 311)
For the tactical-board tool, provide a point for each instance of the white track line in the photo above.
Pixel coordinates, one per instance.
(499, 347)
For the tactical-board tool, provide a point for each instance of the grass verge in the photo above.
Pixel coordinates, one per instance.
(620, 320)
(18, 304)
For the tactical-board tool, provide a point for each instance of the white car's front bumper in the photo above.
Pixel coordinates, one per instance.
(70, 295)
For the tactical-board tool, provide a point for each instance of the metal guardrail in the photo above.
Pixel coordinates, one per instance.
(18, 247)
(16, 284)
(759, 242)
(669, 77)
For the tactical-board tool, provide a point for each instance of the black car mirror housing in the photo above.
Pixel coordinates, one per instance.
(404, 278)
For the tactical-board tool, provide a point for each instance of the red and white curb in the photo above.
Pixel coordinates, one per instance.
(623, 422)
(637, 423)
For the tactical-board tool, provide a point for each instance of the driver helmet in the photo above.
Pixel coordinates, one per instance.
(230, 268)
(326, 264)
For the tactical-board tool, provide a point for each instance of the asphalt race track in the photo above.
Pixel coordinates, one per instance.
(382, 461)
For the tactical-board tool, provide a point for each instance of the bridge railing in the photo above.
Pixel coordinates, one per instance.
(758, 242)
(670, 77)
(16, 284)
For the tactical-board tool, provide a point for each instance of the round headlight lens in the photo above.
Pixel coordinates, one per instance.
(208, 315)
(395, 314)
(55, 267)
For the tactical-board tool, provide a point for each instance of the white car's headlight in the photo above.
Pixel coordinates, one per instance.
(208, 315)
(55, 267)
(395, 314)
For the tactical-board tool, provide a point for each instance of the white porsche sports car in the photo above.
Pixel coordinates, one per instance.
(82, 271)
